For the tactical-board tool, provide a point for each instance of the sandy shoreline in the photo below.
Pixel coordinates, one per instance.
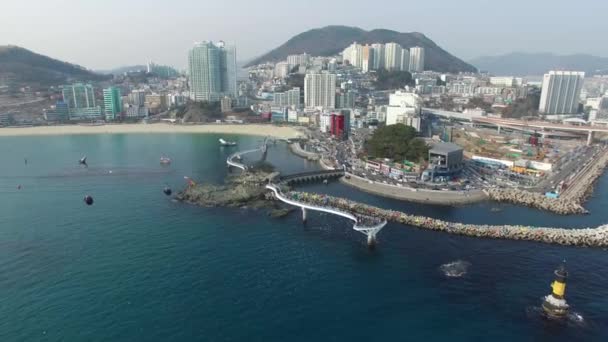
(260, 130)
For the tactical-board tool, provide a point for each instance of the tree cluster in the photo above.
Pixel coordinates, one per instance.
(386, 80)
(397, 142)
(523, 107)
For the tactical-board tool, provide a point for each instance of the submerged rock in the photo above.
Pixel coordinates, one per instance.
(282, 212)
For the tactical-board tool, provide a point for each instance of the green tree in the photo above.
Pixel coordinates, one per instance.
(397, 142)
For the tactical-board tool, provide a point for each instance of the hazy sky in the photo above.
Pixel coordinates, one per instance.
(102, 34)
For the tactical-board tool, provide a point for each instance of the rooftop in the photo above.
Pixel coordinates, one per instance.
(444, 148)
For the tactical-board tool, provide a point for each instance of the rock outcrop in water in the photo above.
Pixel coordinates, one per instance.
(246, 189)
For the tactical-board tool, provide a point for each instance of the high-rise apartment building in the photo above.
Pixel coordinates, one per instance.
(288, 98)
(392, 56)
(80, 99)
(212, 71)
(405, 59)
(79, 96)
(367, 58)
(320, 90)
(112, 102)
(137, 97)
(416, 59)
(301, 60)
(560, 92)
(378, 59)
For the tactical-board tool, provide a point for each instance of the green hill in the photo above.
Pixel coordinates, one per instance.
(24, 67)
(332, 40)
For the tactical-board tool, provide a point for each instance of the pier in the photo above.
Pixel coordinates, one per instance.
(233, 159)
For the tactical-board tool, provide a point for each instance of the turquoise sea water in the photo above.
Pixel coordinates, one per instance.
(137, 266)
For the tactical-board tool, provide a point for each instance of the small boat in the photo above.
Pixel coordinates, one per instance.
(227, 143)
(165, 160)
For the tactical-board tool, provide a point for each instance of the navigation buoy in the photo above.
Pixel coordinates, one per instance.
(167, 191)
(88, 200)
(554, 304)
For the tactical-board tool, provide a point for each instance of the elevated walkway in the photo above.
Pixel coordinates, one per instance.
(366, 225)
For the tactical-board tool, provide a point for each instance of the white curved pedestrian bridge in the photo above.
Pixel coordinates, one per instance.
(231, 160)
(370, 230)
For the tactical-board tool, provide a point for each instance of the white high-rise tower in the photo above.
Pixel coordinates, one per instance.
(320, 90)
(561, 91)
(212, 71)
(416, 59)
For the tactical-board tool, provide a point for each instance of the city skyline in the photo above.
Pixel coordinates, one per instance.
(460, 28)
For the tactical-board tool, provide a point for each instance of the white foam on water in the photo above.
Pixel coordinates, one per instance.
(455, 269)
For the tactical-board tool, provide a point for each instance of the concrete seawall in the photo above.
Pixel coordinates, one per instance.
(297, 150)
(416, 195)
(586, 237)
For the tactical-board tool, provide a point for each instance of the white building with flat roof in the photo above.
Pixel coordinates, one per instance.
(281, 69)
(325, 122)
(404, 108)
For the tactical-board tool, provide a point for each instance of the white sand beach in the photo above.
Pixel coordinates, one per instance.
(257, 129)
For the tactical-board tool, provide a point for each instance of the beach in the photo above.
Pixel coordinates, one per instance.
(282, 132)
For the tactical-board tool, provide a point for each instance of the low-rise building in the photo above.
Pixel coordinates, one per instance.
(445, 161)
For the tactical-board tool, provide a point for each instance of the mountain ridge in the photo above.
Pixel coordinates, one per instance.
(23, 66)
(331, 40)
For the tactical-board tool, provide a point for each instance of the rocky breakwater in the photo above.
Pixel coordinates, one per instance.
(244, 191)
(585, 237)
(570, 201)
(562, 206)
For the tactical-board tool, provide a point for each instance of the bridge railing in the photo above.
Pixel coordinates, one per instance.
(280, 196)
(313, 174)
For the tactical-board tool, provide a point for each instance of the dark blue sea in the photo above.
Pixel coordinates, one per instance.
(137, 266)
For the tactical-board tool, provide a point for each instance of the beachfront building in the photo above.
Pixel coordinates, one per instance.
(288, 98)
(325, 121)
(80, 99)
(112, 101)
(212, 71)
